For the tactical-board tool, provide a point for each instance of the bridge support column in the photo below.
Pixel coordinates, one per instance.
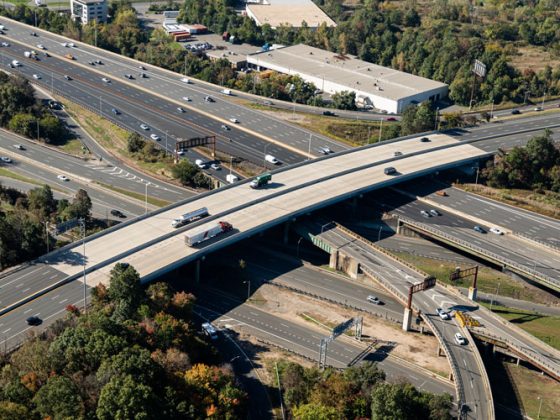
(197, 272)
(407, 319)
(333, 261)
(472, 293)
(517, 361)
(399, 224)
(286, 232)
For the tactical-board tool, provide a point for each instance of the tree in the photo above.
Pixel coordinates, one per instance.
(124, 285)
(13, 411)
(81, 205)
(134, 361)
(52, 129)
(24, 124)
(160, 295)
(134, 143)
(59, 399)
(41, 202)
(185, 172)
(316, 411)
(344, 100)
(124, 398)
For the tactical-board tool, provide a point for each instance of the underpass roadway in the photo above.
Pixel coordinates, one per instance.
(471, 381)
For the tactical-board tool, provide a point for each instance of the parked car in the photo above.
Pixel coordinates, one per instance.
(442, 314)
(118, 213)
(479, 229)
(460, 339)
(496, 231)
(373, 299)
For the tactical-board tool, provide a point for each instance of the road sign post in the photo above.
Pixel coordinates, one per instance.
(427, 283)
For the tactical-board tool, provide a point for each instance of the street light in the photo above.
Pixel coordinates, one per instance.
(83, 228)
(297, 248)
(309, 148)
(379, 235)
(436, 121)
(146, 199)
(492, 301)
(540, 406)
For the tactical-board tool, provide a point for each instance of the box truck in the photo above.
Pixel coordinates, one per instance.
(203, 233)
(189, 217)
(260, 181)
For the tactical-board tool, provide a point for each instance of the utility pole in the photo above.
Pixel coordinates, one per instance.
(436, 121)
(309, 148)
(100, 108)
(38, 133)
(47, 233)
(146, 199)
(380, 128)
(492, 109)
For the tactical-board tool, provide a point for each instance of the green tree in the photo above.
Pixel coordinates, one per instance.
(134, 361)
(52, 129)
(185, 172)
(124, 284)
(134, 143)
(24, 124)
(41, 202)
(314, 411)
(13, 411)
(59, 399)
(81, 205)
(344, 100)
(124, 398)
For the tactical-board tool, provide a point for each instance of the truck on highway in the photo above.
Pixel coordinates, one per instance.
(231, 178)
(203, 233)
(189, 217)
(261, 180)
(27, 54)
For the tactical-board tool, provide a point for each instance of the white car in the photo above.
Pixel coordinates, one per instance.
(434, 212)
(496, 231)
(180, 153)
(106, 80)
(231, 178)
(36, 76)
(155, 137)
(373, 299)
(271, 159)
(460, 339)
(215, 166)
(181, 110)
(5, 159)
(442, 314)
(63, 178)
(186, 99)
(325, 150)
(65, 44)
(234, 120)
(200, 163)
(425, 213)
(225, 127)
(19, 146)
(5, 44)
(41, 46)
(144, 127)
(186, 80)
(71, 45)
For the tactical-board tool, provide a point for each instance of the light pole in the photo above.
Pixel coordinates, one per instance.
(47, 233)
(492, 109)
(165, 142)
(38, 133)
(146, 199)
(380, 128)
(297, 247)
(379, 234)
(540, 406)
(52, 82)
(477, 171)
(436, 120)
(492, 301)
(230, 164)
(100, 108)
(544, 96)
(248, 288)
(309, 148)
(83, 228)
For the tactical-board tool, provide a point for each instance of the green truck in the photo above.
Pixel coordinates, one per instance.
(261, 180)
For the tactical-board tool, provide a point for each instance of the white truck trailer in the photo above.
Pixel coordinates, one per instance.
(189, 217)
(203, 233)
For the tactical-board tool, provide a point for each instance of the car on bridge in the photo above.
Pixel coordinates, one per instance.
(118, 213)
(34, 321)
(460, 339)
(442, 314)
(496, 231)
(425, 140)
(374, 299)
(390, 171)
(425, 214)
(479, 229)
(434, 212)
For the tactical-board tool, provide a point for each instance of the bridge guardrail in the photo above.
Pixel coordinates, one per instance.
(553, 282)
(540, 242)
(485, 379)
(534, 357)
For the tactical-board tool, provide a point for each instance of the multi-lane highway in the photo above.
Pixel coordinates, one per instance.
(252, 124)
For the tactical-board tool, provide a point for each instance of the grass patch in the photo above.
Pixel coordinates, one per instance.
(74, 147)
(531, 386)
(488, 278)
(138, 196)
(9, 174)
(545, 328)
(547, 203)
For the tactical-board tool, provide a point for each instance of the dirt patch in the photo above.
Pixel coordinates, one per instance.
(416, 348)
(534, 58)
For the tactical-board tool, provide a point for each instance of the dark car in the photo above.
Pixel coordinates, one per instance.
(424, 139)
(391, 119)
(479, 229)
(329, 113)
(67, 77)
(116, 111)
(34, 320)
(515, 112)
(118, 214)
(34, 34)
(390, 171)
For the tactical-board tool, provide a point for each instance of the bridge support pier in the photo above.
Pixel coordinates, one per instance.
(286, 233)
(399, 225)
(333, 261)
(407, 319)
(472, 293)
(197, 272)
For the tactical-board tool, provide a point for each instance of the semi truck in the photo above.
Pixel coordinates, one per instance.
(203, 233)
(189, 217)
(261, 180)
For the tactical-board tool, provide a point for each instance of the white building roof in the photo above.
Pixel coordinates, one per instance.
(346, 71)
(291, 12)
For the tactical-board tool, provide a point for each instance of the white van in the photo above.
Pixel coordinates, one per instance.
(231, 178)
(271, 159)
(200, 163)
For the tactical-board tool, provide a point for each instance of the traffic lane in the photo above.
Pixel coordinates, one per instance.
(106, 200)
(36, 275)
(171, 86)
(93, 169)
(326, 285)
(533, 258)
(48, 307)
(516, 219)
(100, 210)
(306, 341)
(148, 108)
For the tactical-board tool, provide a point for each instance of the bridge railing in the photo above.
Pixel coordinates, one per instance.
(498, 258)
(540, 242)
(522, 352)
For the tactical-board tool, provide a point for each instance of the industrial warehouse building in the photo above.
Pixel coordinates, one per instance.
(287, 12)
(375, 86)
